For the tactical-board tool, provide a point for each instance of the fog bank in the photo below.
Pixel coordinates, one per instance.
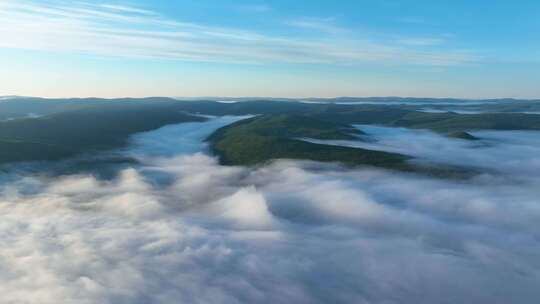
(180, 228)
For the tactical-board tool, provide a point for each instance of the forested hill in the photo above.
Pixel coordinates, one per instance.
(48, 129)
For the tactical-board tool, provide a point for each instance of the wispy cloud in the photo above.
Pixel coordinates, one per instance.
(326, 25)
(126, 9)
(124, 31)
(421, 41)
(256, 8)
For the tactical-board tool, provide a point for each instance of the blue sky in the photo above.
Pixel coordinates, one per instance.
(458, 48)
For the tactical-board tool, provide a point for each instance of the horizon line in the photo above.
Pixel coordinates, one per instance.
(269, 97)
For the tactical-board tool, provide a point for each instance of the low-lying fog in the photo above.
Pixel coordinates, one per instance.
(180, 228)
(510, 152)
(472, 111)
(25, 116)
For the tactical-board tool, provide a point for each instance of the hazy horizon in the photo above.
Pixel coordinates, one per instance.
(268, 97)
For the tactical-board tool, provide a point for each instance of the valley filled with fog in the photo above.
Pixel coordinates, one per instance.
(175, 226)
(269, 152)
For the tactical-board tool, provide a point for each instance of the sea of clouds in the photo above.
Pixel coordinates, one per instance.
(180, 228)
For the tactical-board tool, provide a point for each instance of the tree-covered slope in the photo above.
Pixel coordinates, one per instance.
(71, 126)
(439, 122)
(400, 115)
(451, 122)
(389, 115)
(269, 137)
(68, 133)
(260, 139)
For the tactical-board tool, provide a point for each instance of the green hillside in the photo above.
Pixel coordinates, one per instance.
(268, 137)
(72, 126)
(261, 139)
(83, 130)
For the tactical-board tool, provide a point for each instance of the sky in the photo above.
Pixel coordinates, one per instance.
(272, 48)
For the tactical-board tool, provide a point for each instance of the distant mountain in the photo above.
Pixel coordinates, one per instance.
(395, 99)
(43, 129)
(11, 97)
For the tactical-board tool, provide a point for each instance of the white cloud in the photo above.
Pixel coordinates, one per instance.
(113, 30)
(127, 9)
(326, 25)
(421, 41)
(246, 208)
(181, 228)
(518, 155)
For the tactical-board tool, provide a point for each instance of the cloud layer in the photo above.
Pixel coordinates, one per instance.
(181, 228)
(124, 31)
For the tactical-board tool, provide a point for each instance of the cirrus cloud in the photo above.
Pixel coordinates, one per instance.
(125, 31)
